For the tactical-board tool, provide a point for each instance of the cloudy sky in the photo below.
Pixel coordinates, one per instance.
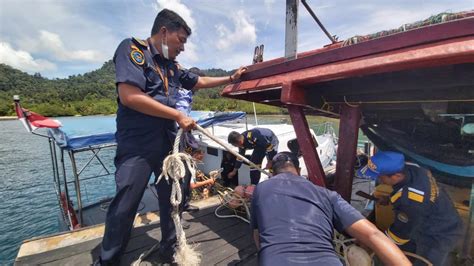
(59, 38)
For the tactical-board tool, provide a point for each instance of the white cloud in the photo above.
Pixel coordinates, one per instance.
(179, 8)
(243, 32)
(269, 4)
(52, 43)
(234, 60)
(190, 56)
(79, 35)
(23, 60)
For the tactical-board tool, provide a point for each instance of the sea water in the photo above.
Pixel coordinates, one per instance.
(28, 201)
(29, 205)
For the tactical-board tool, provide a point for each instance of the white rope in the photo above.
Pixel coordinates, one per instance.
(228, 198)
(173, 170)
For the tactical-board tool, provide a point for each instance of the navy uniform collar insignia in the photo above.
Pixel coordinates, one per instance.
(137, 57)
(141, 42)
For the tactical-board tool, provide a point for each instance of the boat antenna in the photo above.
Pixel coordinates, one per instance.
(333, 38)
(257, 58)
(255, 114)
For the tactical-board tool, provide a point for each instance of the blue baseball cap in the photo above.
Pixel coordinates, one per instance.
(383, 163)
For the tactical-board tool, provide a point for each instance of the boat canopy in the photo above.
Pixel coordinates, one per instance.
(102, 132)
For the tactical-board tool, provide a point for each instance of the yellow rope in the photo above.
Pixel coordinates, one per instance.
(326, 106)
(349, 104)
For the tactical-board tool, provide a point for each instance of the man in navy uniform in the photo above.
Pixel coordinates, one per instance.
(426, 222)
(147, 79)
(263, 142)
(294, 221)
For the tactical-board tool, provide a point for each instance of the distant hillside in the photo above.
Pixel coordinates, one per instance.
(91, 93)
(94, 93)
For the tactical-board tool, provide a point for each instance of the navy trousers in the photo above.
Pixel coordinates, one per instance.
(133, 171)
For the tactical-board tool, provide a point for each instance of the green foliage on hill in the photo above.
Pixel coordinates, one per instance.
(94, 93)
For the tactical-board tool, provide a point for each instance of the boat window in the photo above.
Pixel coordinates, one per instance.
(212, 151)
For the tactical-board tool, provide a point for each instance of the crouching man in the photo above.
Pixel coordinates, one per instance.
(426, 222)
(294, 221)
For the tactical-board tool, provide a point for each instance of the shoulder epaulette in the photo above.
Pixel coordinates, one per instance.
(140, 42)
(416, 195)
(396, 195)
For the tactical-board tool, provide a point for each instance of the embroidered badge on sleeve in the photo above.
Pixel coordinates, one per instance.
(137, 56)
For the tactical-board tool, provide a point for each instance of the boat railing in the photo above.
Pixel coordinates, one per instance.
(82, 170)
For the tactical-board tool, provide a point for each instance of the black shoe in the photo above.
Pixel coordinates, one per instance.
(191, 208)
(185, 224)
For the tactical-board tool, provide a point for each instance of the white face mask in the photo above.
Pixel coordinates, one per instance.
(164, 50)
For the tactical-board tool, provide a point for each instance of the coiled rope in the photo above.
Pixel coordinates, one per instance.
(173, 170)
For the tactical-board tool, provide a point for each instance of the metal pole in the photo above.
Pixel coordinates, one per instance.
(66, 191)
(77, 186)
(54, 164)
(308, 148)
(467, 242)
(333, 40)
(291, 29)
(255, 114)
(347, 150)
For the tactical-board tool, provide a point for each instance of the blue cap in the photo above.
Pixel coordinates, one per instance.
(383, 163)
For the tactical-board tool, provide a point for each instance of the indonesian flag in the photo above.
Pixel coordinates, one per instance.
(32, 121)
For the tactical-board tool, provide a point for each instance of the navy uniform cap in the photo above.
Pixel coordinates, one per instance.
(383, 163)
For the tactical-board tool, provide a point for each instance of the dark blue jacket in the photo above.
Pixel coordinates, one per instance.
(260, 139)
(138, 63)
(296, 221)
(423, 211)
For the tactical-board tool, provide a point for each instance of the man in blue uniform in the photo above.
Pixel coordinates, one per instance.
(294, 221)
(263, 142)
(426, 222)
(148, 78)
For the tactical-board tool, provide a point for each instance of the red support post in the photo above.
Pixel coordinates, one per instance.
(346, 150)
(306, 143)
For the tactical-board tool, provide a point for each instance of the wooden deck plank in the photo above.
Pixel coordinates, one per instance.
(244, 248)
(215, 246)
(60, 254)
(197, 227)
(218, 239)
(203, 228)
(78, 259)
(251, 261)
